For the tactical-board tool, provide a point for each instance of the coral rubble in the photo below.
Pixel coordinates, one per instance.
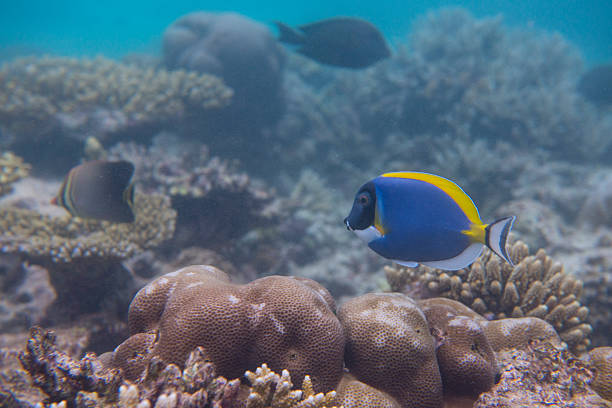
(535, 287)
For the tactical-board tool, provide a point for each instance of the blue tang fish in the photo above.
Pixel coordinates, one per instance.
(418, 218)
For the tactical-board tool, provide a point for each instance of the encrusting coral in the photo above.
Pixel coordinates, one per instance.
(542, 375)
(34, 91)
(286, 322)
(12, 168)
(389, 347)
(535, 287)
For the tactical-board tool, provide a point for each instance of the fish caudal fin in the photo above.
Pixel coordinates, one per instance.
(496, 235)
(288, 34)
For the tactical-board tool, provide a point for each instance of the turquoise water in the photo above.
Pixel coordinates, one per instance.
(115, 27)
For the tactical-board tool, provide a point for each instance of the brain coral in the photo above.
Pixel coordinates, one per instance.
(466, 359)
(389, 347)
(601, 364)
(289, 323)
(534, 287)
(353, 393)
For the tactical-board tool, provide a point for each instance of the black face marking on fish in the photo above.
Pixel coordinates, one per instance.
(363, 212)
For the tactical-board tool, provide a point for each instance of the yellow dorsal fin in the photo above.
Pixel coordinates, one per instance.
(453, 190)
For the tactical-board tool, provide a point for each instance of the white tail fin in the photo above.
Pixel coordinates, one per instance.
(496, 235)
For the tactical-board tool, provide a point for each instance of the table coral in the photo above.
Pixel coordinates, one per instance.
(536, 287)
(389, 347)
(35, 92)
(12, 168)
(285, 322)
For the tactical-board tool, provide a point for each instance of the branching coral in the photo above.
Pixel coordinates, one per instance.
(269, 390)
(34, 91)
(535, 286)
(12, 168)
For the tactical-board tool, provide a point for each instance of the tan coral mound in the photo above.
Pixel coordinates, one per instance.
(65, 238)
(389, 347)
(12, 168)
(517, 333)
(33, 90)
(353, 393)
(536, 286)
(600, 360)
(466, 359)
(286, 322)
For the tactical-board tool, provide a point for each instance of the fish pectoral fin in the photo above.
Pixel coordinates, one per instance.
(409, 264)
(465, 258)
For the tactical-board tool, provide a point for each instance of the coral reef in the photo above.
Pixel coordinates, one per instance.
(39, 93)
(286, 322)
(534, 287)
(63, 239)
(542, 375)
(215, 202)
(465, 357)
(389, 347)
(270, 390)
(85, 255)
(85, 383)
(27, 293)
(12, 168)
(238, 49)
(600, 362)
(353, 393)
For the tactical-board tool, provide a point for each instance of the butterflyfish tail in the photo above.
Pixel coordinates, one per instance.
(496, 235)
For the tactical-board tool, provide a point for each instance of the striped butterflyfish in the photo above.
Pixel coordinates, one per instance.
(99, 190)
(416, 218)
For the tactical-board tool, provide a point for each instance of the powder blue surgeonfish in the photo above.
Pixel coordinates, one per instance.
(418, 218)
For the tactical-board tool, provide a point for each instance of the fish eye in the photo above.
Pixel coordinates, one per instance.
(363, 199)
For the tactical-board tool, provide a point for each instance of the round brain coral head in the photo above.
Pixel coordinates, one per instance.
(353, 393)
(285, 322)
(467, 362)
(506, 334)
(389, 347)
(601, 364)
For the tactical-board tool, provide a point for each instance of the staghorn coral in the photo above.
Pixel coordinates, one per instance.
(465, 357)
(600, 362)
(284, 321)
(36, 92)
(389, 347)
(12, 168)
(542, 375)
(64, 239)
(535, 287)
(269, 390)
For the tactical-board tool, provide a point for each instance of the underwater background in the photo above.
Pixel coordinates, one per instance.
(247, 152)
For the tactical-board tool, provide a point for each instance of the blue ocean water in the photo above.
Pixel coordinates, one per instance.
(115, 27)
